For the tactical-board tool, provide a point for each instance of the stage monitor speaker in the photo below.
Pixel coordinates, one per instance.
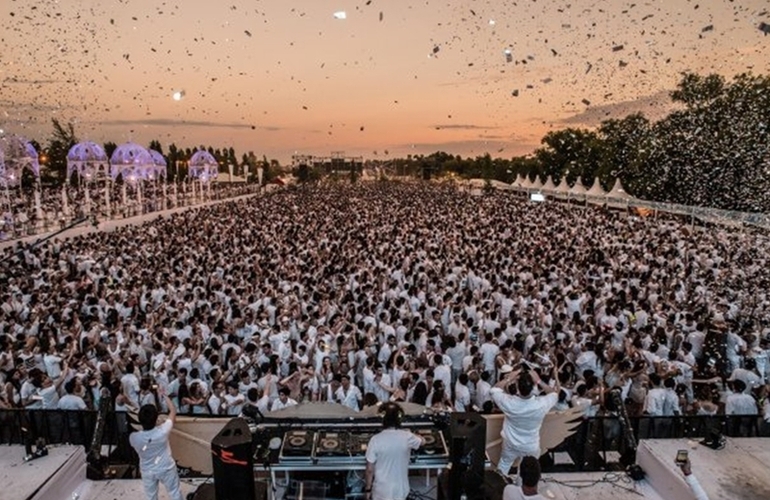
(206, 491)
(231, 455)
(468, 434)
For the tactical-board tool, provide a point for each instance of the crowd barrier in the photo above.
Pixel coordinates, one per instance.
(598, 442)
(705, 214)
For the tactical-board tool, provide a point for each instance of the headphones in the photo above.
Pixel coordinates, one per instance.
(392, 414)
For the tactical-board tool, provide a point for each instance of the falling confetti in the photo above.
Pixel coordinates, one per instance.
(340, 15)
(178, 95)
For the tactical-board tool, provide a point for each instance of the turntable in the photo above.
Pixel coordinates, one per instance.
(358, 443)
(331, 444)
(297, 445)
(435, 444)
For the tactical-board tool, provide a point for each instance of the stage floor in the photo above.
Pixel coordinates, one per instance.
(740, 471)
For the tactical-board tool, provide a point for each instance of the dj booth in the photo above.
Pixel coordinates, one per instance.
(321, 447)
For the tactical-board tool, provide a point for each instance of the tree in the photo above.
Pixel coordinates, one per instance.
(109, 148)
(155, 145)
(61, 141)
(570, 153)
(626, 144)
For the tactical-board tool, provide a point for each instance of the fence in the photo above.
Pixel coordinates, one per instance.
(706, 214)
(590, 448)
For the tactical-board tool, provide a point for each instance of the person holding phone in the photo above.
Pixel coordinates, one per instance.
(683, 461)
(151, 444)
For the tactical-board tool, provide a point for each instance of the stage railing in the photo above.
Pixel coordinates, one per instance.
(597, 444)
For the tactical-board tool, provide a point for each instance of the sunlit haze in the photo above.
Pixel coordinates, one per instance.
(377, 78)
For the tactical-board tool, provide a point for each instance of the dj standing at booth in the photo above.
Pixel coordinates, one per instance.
(387, 457)
(155, 460)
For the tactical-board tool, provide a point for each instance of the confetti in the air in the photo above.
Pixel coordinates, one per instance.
(340, 15)
(178, 95)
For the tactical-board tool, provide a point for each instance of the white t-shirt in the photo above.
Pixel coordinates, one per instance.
(523, 417)
(513, 492)
(71, 402)
(389, 451)
(153, 448)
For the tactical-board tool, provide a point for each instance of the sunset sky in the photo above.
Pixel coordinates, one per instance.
(279, 76)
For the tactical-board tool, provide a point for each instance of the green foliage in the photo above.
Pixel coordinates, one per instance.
(59, 144)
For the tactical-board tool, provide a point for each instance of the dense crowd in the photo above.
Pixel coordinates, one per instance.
(389, 292)
(20, 217)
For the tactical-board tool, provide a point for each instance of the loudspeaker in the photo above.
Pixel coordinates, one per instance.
(467, 437)
(206, 491)
(232, 458)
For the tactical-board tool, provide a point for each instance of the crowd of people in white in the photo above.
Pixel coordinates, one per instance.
(19, 216)
(361, 294)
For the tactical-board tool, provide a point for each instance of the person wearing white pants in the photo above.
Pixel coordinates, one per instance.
(151, 444)
(524, 414)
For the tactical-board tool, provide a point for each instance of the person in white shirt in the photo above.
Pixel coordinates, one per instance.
(739, 403)
(462, 393)
(348, 394)
(387, 457)
(71, 401)
(283, 401)
(524, 414)
(151, 444)
(529, 472)
(234, 400)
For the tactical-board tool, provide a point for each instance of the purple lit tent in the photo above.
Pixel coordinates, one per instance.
(131, 162)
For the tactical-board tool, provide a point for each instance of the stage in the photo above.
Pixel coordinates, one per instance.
(740, 471)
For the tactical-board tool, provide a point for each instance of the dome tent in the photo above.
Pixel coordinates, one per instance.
(130, 161)
(89, 160)
(16, 154)
(203, 166)
(159, 166)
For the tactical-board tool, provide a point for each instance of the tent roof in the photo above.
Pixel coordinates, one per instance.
(596, 189)
(618, 191)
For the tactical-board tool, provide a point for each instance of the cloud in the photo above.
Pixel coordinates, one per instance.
(470, 147)
(26, 81)
(168, 122)
(453, 126)
(654, 107)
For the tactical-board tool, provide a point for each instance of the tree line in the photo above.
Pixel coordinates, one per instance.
(712, 150)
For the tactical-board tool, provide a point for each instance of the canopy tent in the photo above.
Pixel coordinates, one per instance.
(159, 166)
(203, 166)
(596, 190)
(537, 184)
(549, 186)
(89, 160)
(17, 154)
(563, 189)
(618, 192)
(130, 161)
(579, 189)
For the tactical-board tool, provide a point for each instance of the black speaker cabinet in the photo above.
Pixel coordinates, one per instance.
(467, 437)
(231, 455)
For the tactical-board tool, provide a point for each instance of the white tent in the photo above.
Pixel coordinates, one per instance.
(618, 197)
(596, 194)
(17, 154)
(537, 184)
(89, 160)
(563, 189)
(549, 186)
(130, 161)
(618, 192)
(159, 166)
(578, 191)
(525, 183)
(203, 166)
